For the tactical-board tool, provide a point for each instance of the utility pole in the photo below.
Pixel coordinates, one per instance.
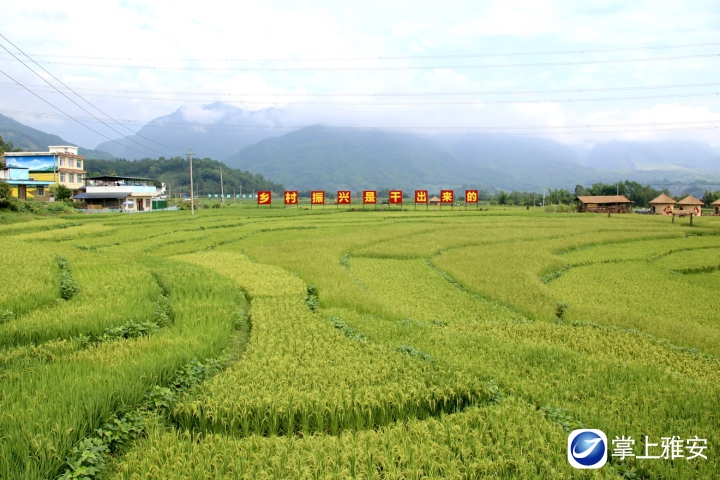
(222, 189)
(543, 197)
(192, 192)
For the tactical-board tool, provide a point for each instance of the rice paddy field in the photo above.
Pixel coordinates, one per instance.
(257, 343)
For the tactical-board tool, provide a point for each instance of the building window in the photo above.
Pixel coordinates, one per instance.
(147, 203)
(62, 177)
(40, 192)
(71, 178)
(62, 162)
(79, 164)
(79, 177)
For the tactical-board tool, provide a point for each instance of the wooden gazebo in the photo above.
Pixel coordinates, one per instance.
(663, 205)
(691, 204)
(604, 203)
(435, 201)
(716, 207)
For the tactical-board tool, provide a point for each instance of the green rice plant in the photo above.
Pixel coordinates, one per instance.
(68, 286)
(507, 440)
(111, 294)
(36, 225)
(642, 249)
(68, 232)
(645, 297)
(6, 316)
(46, 408)
(322, 392)
(347, 330)
(30, 277)
(607, 379)
(336, 384)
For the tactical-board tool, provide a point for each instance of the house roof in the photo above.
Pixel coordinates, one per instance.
(434, 199)
(662, 199)
(102, 195)
(690, 200)
(603, 199)
(114, 178)
(716, 202)
(29, 183)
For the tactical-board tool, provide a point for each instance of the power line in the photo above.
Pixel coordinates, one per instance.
(397, 57)
(78, 95)
(709, 123)
(396, 68)
(73, 101)
(70, 116)
(426, 103)
(375, 95)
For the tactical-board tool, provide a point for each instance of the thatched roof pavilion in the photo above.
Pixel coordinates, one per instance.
(691, 204)
(662, 205)
(604, 203)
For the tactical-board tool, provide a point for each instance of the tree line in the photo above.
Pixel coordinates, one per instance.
(640, 194)
(175, 172)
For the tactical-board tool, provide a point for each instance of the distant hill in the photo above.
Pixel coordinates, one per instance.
(175, 172)
(217, 131)
(319, 157)
(669, 155)
(35, 140)
(326, 157)
(316, 157)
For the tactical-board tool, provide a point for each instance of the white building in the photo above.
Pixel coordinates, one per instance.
(129, 194)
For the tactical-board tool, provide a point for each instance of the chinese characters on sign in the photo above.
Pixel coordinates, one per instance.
(421, 196)
(343, 197)
(291, 197)
(471, 196)
(369, 197)
(264, 197)
(669, 448)
(317, 197)
(395, 197)
(447, 196)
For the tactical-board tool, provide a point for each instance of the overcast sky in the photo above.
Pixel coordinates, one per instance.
(137, 61)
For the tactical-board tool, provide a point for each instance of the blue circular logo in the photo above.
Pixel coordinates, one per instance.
(588, 448)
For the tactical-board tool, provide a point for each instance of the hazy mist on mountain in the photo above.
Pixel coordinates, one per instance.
(217, 131)
(29, 138)
(669, 155)
(318, 157)
(331, 157)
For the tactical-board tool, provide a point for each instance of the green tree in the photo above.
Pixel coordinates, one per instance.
(639, 194)
(709, 197)
(7, 146)
(5, 191)
(62, 193)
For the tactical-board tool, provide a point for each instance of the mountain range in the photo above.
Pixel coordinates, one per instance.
(214, 131)
(329, 157)
(35, 140)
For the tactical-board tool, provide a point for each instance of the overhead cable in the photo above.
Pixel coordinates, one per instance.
(382, 94)
(71, 117)
(395, 57)
(389, 68)
(73, 101)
